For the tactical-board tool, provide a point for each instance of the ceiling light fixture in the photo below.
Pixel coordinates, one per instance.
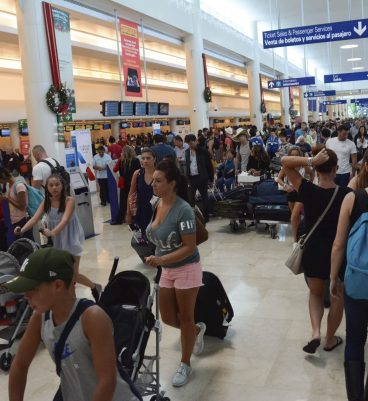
(354, 59)
(348, 46)
(357, 68)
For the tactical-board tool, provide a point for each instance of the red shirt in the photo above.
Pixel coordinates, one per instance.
(115, 151)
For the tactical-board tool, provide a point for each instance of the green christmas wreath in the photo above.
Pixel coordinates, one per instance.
(57, 99)
(207, 95)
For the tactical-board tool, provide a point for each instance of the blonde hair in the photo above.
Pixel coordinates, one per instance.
(128, 154)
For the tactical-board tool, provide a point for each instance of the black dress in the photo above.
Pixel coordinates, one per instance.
(317, 251)
(144, 207)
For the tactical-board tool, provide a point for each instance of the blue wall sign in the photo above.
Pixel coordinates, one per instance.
(281, 83)
(304, 35)
(349, 76)
(319, 94)
(333, 102)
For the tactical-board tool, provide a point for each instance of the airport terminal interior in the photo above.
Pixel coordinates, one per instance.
(84, 78)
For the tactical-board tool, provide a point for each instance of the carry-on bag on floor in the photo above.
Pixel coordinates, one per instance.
(266, 192)
(277, 213)
(213, 306)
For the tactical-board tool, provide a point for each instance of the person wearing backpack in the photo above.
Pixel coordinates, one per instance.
(352, 239)
(17, 197)
(41, 171)
(77, 334)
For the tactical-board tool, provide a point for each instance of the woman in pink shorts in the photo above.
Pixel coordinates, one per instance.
(173, 231)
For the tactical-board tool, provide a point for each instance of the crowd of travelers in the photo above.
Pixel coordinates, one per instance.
(323, 171)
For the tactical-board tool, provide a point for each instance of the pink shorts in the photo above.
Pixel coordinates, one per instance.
(182, 278)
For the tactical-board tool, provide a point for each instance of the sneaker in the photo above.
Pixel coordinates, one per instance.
(182, 374)
(96, 292)
(199, 343)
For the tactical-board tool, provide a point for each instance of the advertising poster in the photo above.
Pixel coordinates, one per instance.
(82, 144)
(130, 56)
(156, 129)
(64, 51)
(24, 145)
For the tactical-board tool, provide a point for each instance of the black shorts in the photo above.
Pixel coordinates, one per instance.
(292, 197)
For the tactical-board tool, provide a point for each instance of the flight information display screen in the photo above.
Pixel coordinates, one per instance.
(140, 108)
(152, 109)
(110, 108)
(126, 108)
(163, 109)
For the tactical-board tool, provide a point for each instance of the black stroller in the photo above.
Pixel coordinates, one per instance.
(19, 312)
(128, 300)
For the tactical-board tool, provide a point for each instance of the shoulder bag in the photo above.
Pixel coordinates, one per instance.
(201, 231)
(294, 261)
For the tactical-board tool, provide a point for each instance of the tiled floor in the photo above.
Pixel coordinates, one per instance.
(261, 358)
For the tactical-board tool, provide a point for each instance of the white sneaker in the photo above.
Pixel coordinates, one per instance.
(182, 374)
(199, 343)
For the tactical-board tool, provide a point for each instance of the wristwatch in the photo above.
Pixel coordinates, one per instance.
(310, 162)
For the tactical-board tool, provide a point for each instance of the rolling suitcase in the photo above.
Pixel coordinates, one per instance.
(213, 306)
(276, 213)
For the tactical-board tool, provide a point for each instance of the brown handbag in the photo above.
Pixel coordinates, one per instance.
(201, 231)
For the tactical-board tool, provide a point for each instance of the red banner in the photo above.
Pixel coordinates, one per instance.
(131, 60)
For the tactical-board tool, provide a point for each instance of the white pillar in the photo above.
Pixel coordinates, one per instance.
(253, 70)
(303, 104)
(115, 128)
(37, 78)
(193, 44)
(330, 111)
(284, 93)
(315, 114)
(15, 137)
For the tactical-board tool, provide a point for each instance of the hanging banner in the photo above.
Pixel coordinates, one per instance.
(312, 105)
(319, 94)
(131, 60)
(281, 83)
(64, 51)
(348, 76)
(156, 129)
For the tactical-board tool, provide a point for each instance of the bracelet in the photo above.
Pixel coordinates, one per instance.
(310, 161)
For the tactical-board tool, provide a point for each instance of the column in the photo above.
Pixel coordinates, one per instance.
(253, 70)
(315, 114)
(115, 128)
(284, 93)
(193, 44)
(14, 135)
(330, 111)
(37, 78)
(303, 104)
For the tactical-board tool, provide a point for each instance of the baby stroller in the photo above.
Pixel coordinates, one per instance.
(18, 311)
(128, 300)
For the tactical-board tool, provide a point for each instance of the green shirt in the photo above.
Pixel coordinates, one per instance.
(168, 235)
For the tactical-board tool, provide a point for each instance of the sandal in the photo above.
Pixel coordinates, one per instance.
(312, 346)
(338, 342)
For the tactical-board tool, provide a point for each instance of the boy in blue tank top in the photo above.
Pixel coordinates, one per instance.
(88, 360)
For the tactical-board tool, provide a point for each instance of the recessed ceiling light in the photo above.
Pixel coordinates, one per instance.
(357, 68)
(354, 59)
(348, 47)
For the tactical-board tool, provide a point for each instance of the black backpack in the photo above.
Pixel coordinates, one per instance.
(59, 170)
(213, 306)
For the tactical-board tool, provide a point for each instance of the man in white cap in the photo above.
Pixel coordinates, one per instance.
(242, 150)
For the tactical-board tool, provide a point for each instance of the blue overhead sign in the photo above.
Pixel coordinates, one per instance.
(319, 94)
(304, 35)
(349, 76)
(281, 83)
(333, 102)
(360, 102)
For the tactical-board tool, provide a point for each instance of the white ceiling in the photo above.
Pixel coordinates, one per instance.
(274, 14)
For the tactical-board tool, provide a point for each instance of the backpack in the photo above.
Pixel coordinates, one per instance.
(35, 197)
(356, 274)
(213, 306)
(59, 170)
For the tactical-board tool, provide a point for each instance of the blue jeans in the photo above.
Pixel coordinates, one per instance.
(356, 316)
(224, 182)
(342, 180)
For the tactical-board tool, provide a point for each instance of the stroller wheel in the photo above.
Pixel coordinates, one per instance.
(5, 361)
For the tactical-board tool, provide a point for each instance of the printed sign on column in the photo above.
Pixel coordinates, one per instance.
(130, 58)
(64, 51)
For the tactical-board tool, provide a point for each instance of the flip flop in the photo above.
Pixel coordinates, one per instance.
(312, 346)
(338, 342)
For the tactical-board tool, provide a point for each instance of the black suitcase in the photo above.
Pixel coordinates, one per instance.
(240, 193)
(143, 247)
(277, 213)
(213, 306)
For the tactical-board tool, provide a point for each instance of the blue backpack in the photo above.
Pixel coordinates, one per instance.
(356, 274)
(35, 197)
